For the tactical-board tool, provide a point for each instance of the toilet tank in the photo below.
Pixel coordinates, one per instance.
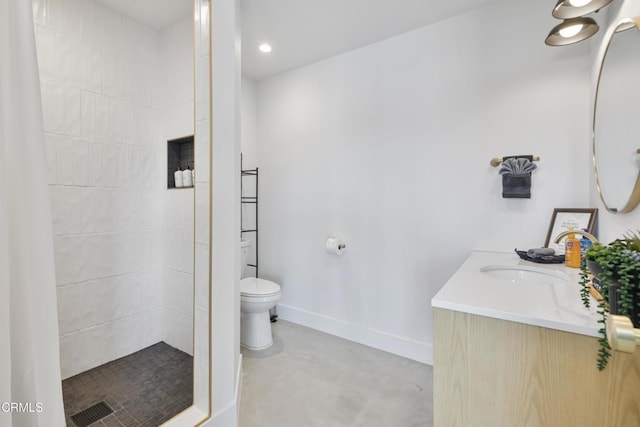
(245, 247)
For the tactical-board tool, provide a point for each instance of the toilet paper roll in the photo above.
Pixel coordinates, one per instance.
(334, 246)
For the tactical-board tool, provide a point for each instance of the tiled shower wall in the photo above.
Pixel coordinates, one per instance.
(102, 108)
(176, 110)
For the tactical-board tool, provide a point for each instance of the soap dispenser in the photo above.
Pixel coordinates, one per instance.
(187, 177)
(572, 251)
(178, 177)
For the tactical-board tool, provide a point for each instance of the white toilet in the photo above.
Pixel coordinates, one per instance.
(257, 297)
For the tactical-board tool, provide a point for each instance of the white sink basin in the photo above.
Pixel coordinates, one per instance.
(524, 275)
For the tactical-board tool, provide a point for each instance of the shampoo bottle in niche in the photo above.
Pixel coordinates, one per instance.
(187, 178)
(178, 177)
(572, 251)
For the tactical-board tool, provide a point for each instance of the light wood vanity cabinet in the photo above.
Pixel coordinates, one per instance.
(497, 373)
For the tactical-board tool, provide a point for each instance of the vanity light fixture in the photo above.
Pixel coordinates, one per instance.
(571, 31)
(265, 48)
(567, 9)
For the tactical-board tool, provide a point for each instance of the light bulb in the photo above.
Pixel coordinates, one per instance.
(265, 48)
(579, 3)
(571, 31)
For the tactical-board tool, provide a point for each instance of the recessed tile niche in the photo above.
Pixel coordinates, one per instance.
(179, 156)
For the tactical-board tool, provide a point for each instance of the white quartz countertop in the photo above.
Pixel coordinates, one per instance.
(553, 303)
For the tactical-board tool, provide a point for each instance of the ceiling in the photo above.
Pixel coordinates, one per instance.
(305, 31)
(156, 14)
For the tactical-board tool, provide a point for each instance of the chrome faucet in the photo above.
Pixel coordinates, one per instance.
(584, 233)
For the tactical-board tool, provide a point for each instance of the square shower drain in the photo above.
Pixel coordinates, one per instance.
(91, 414)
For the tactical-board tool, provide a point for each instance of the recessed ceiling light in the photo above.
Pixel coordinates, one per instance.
(265, 48)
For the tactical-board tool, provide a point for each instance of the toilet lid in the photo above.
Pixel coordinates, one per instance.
(254, 286)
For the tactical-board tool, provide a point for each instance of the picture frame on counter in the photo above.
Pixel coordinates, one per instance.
(563, 219)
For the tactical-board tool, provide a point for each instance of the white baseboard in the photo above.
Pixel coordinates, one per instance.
(405, 347)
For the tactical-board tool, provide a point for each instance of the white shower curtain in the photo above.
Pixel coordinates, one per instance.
(30, 386)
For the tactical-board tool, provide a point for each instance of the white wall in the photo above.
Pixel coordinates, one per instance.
(249, 148)
(249, 126)
(389, 145)
(177, 120)
(202, 273)
(225, 213)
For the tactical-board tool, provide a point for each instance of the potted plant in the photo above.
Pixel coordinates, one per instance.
(616, 269)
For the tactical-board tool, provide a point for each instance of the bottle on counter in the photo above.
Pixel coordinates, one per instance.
(572, 256)
(585, 243)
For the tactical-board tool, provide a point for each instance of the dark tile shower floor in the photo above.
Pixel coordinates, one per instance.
(145, 388)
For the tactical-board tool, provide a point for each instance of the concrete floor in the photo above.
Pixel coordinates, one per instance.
(309, 378)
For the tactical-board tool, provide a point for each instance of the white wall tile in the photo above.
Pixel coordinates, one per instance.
(80, 162)
(95, 164)
(70, 301)
(80, 63)
(64, 58)
(73, 18)
(111, 72)
(67, 259)
(94, 210)
(202, 151)
(202, 220)
(53, 107)
(51, 145)
(202, 89)
(89, 305)
(64, 156)
(127, 122)
(65, 210)
(97, 350)
(88, 114)
(98, 259)
(137, 172)
(89, 31)
(155, 326)
(109, 161)
(72, 111)
(148, 159)
(115, 120)
(102, 117)
(68, 356)
(95, 68)
(123, 167)
(201, 276)
(125, 294)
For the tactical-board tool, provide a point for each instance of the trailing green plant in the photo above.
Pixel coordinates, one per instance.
(619, 264)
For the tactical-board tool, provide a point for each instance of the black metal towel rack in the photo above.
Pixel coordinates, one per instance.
(249, 200)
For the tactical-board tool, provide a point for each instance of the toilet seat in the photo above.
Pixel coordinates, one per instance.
(254, 287)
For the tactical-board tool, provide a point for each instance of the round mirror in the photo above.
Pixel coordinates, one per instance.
(616, 121)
